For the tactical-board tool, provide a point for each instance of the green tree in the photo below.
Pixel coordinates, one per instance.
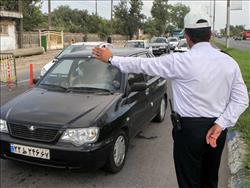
(149, 27)
(99, 25)
(160, 15)
(135, 17)
(33, 18)
(234, 30)
(70, 20)
(177, 13)
(121, 17)
(127, 21)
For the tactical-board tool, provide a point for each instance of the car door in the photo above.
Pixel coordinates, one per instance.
(138, 101)
(157, 88)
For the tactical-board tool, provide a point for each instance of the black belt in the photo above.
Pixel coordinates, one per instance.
(198, 119)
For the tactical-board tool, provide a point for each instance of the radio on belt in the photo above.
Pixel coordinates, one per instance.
(175, 118)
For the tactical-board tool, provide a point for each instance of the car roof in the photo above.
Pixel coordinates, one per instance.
(136, 41)
(115, 51)
(90, 43)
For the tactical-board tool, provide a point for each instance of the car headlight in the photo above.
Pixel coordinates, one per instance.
(3, 126)
(162, 47)
(43, 71)
(81, 136)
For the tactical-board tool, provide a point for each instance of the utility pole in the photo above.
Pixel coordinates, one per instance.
(111, 18)
(49, 14)
(96, 7)
(214, 18)
(228, 23)
(20, 36)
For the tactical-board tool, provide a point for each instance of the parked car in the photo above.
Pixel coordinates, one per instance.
(237, 38)
(173, 41)
(160, 45)
(182, 46)
(81, 114)
(79, 46)
(138, 44)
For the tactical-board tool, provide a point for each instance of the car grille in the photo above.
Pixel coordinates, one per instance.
(38, 133)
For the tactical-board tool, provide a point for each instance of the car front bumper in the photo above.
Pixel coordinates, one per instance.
(62, 155)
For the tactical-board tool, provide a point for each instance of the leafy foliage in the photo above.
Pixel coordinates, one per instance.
(33, 17)
(234, 30)
(160, 16)
(177, 14)
(127, 20)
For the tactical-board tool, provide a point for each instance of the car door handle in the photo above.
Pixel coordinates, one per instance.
(147, 91)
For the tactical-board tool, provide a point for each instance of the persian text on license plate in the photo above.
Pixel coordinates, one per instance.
(30, 151)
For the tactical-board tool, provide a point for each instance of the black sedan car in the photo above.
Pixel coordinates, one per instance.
(81, 114)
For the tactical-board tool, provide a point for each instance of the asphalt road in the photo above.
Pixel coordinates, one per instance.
(149, 163)
(243, 45)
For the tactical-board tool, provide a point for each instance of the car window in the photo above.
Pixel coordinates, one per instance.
(84, 73)
(183, 44)
(70, 49)
(142, 55)
(172, 40)
(135, 78)
(158, 40)
(135, 44)
(145, 55)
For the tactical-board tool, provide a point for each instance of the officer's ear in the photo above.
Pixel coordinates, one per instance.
(189, 41)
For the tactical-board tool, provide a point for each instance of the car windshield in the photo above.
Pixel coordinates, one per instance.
(172, 39)
(70, 49)
(134, 44)
(158, 40)
(75, 48)
(82, 74)
(183, 44)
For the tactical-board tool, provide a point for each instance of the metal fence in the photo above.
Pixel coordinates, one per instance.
(8, 69)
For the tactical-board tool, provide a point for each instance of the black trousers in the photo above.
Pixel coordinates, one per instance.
(197, 163)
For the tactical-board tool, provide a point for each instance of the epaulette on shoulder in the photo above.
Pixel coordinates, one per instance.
(225, 53)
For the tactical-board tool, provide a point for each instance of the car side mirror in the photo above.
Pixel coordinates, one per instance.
(139, 86)
(35, 80)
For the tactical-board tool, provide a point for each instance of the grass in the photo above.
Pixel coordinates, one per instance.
(243, 124)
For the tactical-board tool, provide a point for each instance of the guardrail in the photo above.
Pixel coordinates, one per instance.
(8, 69)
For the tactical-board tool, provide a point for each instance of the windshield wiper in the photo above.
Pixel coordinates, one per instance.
(89, 89)
(55, 86)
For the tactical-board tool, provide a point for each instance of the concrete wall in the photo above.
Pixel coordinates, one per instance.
(8, 41)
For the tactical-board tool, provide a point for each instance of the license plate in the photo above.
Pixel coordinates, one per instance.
(30, 151)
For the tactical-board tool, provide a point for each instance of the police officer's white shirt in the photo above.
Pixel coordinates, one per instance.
(205, 81)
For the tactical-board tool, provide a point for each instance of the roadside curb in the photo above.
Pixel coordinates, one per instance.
(236, 157)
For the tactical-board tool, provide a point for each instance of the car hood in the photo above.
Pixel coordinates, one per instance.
(50, 107)
(157, 44)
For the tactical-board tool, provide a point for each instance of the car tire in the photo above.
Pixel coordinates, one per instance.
(118, 153)
(162, 110)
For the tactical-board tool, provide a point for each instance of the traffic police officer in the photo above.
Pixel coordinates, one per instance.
(209, 95)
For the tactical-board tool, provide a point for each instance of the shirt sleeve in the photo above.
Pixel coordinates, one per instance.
(238, 102)
(163, 66)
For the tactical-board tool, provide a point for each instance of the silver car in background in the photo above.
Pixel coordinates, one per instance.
(138, 44)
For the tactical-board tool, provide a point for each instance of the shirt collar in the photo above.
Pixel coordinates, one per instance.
(201, 45)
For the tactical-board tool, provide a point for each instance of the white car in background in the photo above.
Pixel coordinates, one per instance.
(182, 46)
(79, 46)
(173, 41)
(138, 44)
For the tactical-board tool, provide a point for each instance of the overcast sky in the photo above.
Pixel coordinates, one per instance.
(238, 17)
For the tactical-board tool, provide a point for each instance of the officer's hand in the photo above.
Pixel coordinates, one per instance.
(213, 134)
(102, 54)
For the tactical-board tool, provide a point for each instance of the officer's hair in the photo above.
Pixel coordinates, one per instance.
(199, 34)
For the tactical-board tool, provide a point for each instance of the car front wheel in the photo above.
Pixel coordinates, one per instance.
(162, 110)
(118, 153)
